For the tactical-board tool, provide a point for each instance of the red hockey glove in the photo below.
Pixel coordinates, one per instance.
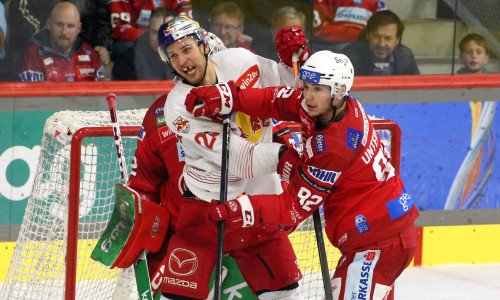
(289, 160)
(237, 213)
(209, 101)
(288, 41)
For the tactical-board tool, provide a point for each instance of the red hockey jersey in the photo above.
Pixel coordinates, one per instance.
(130, 18)
(345, 167)
(342, 20)
(41, 62)
(158, 162)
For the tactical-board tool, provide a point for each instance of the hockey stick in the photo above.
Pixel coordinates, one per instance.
(318, 228)
(221, 225)
(140, 264)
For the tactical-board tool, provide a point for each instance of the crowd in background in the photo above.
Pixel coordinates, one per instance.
(116, 40)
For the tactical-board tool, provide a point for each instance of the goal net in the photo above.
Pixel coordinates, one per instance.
(72, 201)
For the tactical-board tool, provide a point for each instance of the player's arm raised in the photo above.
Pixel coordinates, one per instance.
(281, 103)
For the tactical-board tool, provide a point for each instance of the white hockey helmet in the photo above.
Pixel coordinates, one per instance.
(328, 68)
(176, 29)
(214, 43)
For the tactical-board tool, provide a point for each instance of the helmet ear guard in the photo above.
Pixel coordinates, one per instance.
(328, 68)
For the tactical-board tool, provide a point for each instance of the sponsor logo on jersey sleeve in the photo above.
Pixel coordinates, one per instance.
(324, 175)
(319, 141)
(353, 138)
(165, 134)
(312, 183)
(158, 110)
(362, 224)
(181, 125)
(180, 152)
(400, 206)
(142, 134)
(160, 120)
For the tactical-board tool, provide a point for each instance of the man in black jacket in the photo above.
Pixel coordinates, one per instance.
(378, 50)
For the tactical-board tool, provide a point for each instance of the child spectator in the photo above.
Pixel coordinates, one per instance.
(474, 54)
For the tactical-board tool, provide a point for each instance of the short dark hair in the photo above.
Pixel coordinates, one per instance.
(382, 18)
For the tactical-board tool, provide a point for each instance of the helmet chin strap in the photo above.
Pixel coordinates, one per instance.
(335, 118)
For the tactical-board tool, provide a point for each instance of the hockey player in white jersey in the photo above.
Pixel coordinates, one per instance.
(264, 254)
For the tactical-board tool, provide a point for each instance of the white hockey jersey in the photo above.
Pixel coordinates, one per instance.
(201, 138)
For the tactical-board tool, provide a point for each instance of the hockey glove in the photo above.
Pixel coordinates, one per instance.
(288, 41)
(289, 160)
(209, 101)
(237, 213)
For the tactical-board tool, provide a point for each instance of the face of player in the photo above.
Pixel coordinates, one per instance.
(227, 28)
(383, 40)
(188, 60)
(64, 26)
(318, 100)
(474, 57)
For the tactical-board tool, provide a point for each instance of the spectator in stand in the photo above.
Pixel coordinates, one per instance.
(282, 17)
(474, 54)
(28, 18)
(3, 36)
(57, 53)
(338, 23)
(96, 29)
(227, 22)
(379, 51)
(143, 61)
(130, 19)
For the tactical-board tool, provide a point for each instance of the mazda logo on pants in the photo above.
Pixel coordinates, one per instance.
(182, 262)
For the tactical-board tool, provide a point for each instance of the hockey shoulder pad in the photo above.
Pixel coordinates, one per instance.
(135, 225)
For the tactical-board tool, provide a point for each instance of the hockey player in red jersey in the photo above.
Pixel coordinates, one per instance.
(369, 214)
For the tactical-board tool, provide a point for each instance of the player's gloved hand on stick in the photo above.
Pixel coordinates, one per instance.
(289, 160)
(208, 101)
(237, 213)
(288, 41)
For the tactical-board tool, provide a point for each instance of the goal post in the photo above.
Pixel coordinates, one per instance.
(72, 201)
(68, 209)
